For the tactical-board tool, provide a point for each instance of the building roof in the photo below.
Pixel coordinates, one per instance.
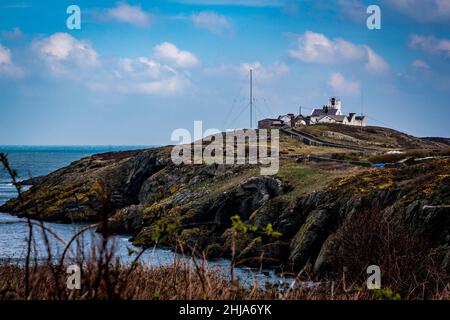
(335, 118)
(299, 118)
(269, 119)
(324, 111)
(289, 115)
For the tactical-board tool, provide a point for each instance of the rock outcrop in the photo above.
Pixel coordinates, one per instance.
(146, 196)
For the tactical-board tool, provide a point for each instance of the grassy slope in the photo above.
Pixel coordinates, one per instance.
(382, 138)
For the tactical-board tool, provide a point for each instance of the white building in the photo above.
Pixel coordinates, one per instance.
(332, 113)
(287, 119)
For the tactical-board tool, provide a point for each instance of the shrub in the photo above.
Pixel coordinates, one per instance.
(408, 263)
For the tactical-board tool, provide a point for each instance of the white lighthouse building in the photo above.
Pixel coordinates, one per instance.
(332, 113)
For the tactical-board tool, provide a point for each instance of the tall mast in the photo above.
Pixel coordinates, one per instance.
(362, 107)
(251, 98)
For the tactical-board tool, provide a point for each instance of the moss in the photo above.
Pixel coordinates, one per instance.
(174, 189)
(156, 210)
(195, 239)
(366, 182)
(157, 196)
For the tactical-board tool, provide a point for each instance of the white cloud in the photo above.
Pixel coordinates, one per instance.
(420, 64)
(7, 67)
(264, 73)
(213, 22)
(342, 86)
(317, 48)
(170, 86)
(423, 10)
(126, 13)
(261, 72)
(430, 44)
(148, 76)
(144, 68)
(61, 51)
(5, 56)
(169, 53)
(160, 74)
(375, 63)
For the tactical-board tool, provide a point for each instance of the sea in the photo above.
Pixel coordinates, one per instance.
(34, 161)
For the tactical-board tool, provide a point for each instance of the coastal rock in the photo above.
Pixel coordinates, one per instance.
(289, 223)
(195, 239)
(308, 241)
(89, 188)
(325, 259)
(244, 200)
(128, 220)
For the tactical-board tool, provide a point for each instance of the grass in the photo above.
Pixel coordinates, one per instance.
(306, 178)
(290, 145)
(368, 134)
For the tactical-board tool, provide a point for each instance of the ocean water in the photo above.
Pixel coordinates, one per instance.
(37, 161)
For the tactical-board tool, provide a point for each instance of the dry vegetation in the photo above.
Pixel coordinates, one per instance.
(409, 267)
(412, 274)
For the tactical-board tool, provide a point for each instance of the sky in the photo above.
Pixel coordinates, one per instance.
(137, 70)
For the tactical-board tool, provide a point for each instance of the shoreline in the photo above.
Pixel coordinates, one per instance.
(269, 275)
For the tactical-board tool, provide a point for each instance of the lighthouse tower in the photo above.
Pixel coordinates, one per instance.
(335, 103)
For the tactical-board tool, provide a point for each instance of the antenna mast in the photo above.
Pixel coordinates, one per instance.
(362, 108)
(251, 98)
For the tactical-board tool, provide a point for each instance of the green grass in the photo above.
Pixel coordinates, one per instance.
(293, 171)
(306, 178)
(369, 134)
(294, 146)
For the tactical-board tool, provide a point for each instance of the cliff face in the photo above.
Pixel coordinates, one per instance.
(287, 220)
(89, 187)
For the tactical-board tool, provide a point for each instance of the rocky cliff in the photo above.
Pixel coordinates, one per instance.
(289, 220)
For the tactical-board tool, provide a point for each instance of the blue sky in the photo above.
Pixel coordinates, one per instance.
(137, 70)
